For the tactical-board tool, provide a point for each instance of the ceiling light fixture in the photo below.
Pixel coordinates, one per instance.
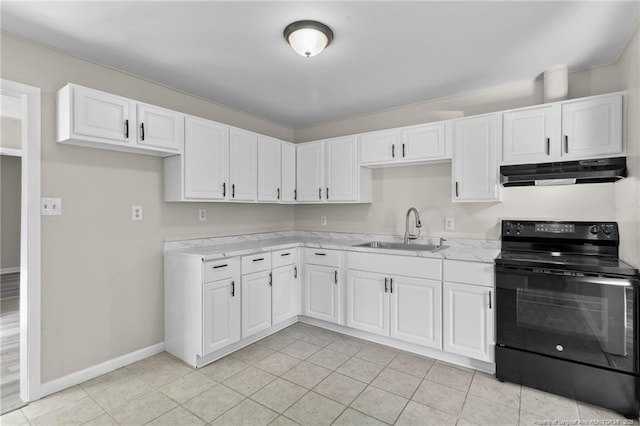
(308, 38)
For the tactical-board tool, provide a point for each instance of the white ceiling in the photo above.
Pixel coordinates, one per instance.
(384, 54)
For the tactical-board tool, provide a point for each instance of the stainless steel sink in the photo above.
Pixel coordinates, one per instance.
(401, 246)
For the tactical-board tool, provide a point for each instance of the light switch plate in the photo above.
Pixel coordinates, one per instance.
(50, 206)
(323, 221)
(202, 215)
(136, 213)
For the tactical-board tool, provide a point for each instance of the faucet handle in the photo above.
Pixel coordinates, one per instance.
(442, 240)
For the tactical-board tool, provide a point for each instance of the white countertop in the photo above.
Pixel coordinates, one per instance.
(226, 247)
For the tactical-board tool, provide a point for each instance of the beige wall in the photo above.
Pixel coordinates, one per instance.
(102, 273)
(10, 190)
(427, 187)
(10, 133)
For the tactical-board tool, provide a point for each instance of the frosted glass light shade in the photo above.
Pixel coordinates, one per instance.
(308, 38)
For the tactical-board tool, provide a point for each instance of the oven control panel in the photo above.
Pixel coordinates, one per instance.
(520, 229)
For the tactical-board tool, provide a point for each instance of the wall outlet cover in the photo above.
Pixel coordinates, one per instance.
(323, 221)
(50, 206)
(202, 215)
(449, 224)
(136, 213)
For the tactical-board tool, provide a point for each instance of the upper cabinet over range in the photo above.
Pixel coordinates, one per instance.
(93, 118)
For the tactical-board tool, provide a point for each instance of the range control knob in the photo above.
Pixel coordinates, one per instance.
(518, 228)
(607, 229)
(594, 229)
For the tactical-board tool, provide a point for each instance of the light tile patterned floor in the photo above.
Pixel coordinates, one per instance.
(303, 375)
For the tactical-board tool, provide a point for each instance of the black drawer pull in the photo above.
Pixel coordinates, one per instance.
(221, 266)
(259, 259)
(233, 288)
(285, 254)
(321, 254)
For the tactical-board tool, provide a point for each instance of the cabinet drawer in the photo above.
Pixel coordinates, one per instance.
(477, 273)
(256, 263)
(408, 266)
(322, 257)
(284, 257)
(221, 269)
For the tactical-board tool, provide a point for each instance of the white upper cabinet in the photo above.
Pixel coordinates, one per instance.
(531, 135)
(592, 127)
(88, 117)
(328, 171)
(342, 169)
(475, 164)
(104, 116)
(206, 165)
(413, 144)
(269, 169)
(160, 128)
(310, 166)
(288, 192)
(243, 165)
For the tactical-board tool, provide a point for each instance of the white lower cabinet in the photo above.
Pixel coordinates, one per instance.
(415, 311)
(321, 292)
(285, 290)
(221, 314)
(468, 314)
(368, 302)
(256, 302)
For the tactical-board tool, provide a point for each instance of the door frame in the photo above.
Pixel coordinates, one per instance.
(30, 238)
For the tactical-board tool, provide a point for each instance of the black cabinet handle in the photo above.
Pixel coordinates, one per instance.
(566, 144)
(126, 129)
(233, 288)
(295, 272)
(457, 191)
(221, 266)
(270, 279)
(548, 146)
(224, 189)
(286, 254)
(258, 259)
(233, 190)
(490, 307)
(142, 131)
(320, 254)
(391, 285)
(386, 287)
(327, 192)
(393, 150)
(335, 277)
(402, 150)
(295, 194)
(278, 193)
(320, 193)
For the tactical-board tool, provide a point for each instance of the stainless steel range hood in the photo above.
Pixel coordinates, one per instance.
(564, 172)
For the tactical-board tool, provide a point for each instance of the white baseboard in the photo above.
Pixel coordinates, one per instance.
(9, 270)
(81, 376)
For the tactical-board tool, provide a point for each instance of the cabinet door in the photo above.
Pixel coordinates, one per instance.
(256, 303)
(379, 147)
(288, 177)
(422, 142)
(592, 127)
(321, 292)
(342, 169)
(531, 136)
(469, 321)
(415, 308)
(268, 169)
(221, 315)
(206, 159)
(160, 128)
(285, 293)
(475, 168)
(310, 166)
(243, 165)
(102, 115)
(368, 302)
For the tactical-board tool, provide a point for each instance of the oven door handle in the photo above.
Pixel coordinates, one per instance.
(606, 281)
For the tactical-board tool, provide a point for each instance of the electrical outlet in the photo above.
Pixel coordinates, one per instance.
(448, 223)
(202, 215)
(136, 213)
(50, 206)
(323, 221)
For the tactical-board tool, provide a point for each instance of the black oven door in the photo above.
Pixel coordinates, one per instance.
(587, 319)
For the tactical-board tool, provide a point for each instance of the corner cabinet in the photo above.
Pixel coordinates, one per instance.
(88, 117)
(475, 159)
(329, 171)
(322, 284)
(468, 309)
